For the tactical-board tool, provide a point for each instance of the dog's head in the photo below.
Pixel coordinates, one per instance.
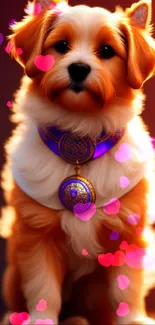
(90, 56)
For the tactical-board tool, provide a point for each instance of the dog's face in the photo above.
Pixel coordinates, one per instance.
(99, 56)
(90, 58)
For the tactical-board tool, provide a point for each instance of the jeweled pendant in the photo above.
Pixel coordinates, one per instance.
(76, 189)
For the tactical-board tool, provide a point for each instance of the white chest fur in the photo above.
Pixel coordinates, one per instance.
(39, 172)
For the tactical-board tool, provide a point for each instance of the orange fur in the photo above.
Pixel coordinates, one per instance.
(139, 67)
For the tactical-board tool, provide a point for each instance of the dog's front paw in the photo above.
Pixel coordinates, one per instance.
(143, 321)
(43, 319)
(77, 320)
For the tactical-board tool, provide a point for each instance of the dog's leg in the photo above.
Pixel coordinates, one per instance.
(42, 271)
(134, 307)
(11, 290)
(37, 251)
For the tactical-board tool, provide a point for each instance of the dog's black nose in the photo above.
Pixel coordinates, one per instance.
(79, 71)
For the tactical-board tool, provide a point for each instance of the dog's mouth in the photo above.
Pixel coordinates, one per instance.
(78, 89)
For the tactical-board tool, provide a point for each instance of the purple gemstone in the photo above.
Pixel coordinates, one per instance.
(73, 193)
(114, 235)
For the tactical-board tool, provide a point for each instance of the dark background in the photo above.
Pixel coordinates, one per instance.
(11, 72)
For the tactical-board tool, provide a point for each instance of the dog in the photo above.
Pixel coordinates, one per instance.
(79, 127)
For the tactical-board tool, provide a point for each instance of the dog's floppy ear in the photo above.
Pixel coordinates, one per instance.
(29, 34)
(137, 29)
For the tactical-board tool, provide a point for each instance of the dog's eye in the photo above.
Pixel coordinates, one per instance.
(106, 52)
(61, 47)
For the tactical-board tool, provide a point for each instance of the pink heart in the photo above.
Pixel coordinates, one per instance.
(9, 47)
(124, 182)
(123, 309)
(44, 62)
(84, 252)
(118, 258)
(19, 51)
(133, 219)
(106, 259)
(9, 104)
(19, 318)
(153, 142)
(37, 9)
(44, 322)
(124, 153)
(123, 281)
(123, 245)
(135, 258)
(112, 207)
(85, 211)
(42, 305)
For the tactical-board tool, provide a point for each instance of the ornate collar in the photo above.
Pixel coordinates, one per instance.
(73, 148)
(76, 150)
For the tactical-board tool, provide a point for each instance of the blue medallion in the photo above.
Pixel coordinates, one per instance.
(76, 189)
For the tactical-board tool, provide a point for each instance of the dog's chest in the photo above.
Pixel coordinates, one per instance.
(39, 172)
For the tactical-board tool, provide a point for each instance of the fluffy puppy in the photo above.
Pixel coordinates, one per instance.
(114, 54)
